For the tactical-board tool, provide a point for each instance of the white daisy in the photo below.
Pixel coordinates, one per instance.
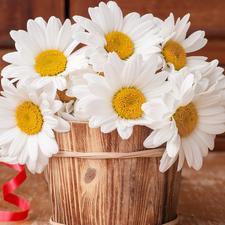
(175, 45)
(43, 55)
(109, 31)
(27, 122)
(188, 121)
(114, 101)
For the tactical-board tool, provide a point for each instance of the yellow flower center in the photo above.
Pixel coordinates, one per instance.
(101, 74)
(63, 97)
(174, 53)
(50, 63)
(127, 103)
(29, 118)
(186, 118)
(120, 43)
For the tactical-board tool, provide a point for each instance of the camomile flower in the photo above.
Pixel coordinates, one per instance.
(109, 31)
(115, 100)
(175, 45)
(27, 122)
(188, 120)
(43, 55)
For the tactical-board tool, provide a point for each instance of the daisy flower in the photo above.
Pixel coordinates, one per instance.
(27, 122)
(175, 45)
(188, 120)
(43, 55)
(109, 31)
(114, 101)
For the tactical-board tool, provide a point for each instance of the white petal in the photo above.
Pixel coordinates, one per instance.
(107, 128)
(52, 32)
(37, 33)
(204, 102)
(197, 155)
(187, 151)
(117, 15)
(112, 77)
(181, 158)
(213, 110)
(100, 107)
(187, 84)
(162, 136)
(47, 130)
(64, 35)
(32, 147)
(52, 122)
(148, 143)
(187, 97)
(9, 135)
(14, 58)
(100, 91)
(47, 145)
(79, 92)
(202, 145)
(212, 128)
(173, 145)
(194, 42)
(213, 119)
(17, 144)
(63, 126)
(60, 82)
(126, 133)
(50, 90)
(131, 70)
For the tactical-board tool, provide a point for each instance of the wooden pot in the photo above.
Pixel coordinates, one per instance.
(110, 191)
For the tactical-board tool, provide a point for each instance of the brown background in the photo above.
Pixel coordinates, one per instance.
(206, 15)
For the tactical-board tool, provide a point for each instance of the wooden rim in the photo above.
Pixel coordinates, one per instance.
(173, 222)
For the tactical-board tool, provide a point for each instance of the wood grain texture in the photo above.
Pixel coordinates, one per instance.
(111, 191)
(15, 13)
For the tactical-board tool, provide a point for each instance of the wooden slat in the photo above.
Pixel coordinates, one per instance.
(15, 13)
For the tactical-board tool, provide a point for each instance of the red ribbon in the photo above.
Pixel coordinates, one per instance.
(13, 199)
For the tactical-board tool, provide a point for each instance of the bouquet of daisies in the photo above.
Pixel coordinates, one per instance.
(129, 71)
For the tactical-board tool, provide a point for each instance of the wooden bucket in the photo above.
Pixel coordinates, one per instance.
(110, 191)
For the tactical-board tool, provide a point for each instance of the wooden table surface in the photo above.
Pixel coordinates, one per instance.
(201, 200)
